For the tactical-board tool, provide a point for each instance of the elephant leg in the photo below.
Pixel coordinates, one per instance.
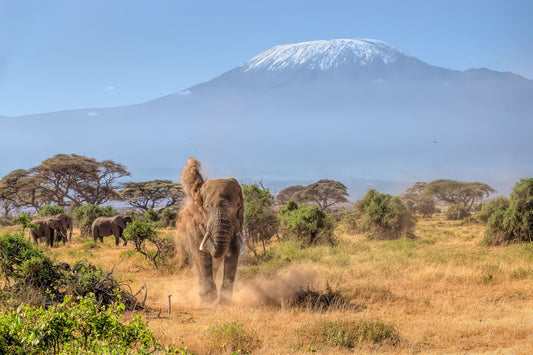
(116, 233)
(121, 235)
(204, 266)
(230, 269)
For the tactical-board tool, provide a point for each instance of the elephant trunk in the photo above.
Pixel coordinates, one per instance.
(221, 232)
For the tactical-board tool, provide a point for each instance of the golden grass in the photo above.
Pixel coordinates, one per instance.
(444, 292)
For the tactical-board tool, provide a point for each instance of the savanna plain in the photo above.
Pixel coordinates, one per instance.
(443, 292)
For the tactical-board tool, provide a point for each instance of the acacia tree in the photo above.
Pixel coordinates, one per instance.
(65, 180)
(324, 193)
(18, 189)
(287, 194)
(149, 194)
(460, 193)
(416, 199)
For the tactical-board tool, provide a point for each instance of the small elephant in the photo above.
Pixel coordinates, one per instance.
(48, 227)
(212, 223)
(66, 221)
(104, 226)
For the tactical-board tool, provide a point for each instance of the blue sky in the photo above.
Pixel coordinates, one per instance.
(58, 55)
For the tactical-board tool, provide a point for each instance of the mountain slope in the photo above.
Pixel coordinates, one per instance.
(351, 110)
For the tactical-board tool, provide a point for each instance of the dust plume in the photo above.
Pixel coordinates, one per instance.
(274, 291)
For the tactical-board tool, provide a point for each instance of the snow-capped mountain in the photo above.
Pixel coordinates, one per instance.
(358, 111)
(324, 55)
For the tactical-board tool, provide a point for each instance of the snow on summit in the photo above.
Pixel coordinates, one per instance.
(323, 55)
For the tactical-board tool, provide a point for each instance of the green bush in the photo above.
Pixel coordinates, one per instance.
(84, 216)
(142, 232)
(384, 216)
(488, 208)
(33, 277)
(232, 337)
(260, 219)
(456, 212)
(76, 327)
(50, 210)
(308, 224)
(151, 214)
(168, 217)
(515, 224)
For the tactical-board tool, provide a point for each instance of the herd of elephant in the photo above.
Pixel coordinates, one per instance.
(58, 228)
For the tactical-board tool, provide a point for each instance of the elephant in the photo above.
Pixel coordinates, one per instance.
(104, 226)
(67, 223)
(48, 226)
(211, 222)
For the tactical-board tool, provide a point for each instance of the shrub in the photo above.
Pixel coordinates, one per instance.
(260, 219)
(321, 300)
(515, 224)
(487, 209)
(84, 216)
(349, 334)
(384, 216)
(33, 277)
(151, 214)
(50, 210)
(143, 233)
(75, 327)
(168, 217)
(456, 212)
(308, 224)
(232, 337)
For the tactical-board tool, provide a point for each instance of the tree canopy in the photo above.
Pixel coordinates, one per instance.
(63, 180)
(287, 194)
(461, 193)
(150, 194)
(324, 193)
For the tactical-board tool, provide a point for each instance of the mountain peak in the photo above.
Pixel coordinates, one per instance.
(324, 55)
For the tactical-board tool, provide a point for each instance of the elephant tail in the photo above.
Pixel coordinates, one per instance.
(191, 179)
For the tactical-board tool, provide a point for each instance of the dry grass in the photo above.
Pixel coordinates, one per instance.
(442, 292)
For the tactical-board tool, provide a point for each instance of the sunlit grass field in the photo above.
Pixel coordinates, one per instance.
(441, 292)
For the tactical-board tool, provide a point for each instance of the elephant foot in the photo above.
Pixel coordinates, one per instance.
(209, 296)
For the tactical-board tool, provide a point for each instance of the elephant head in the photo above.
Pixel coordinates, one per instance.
(212, 221)
(66, 221)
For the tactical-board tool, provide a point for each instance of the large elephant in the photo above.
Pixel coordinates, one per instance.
(212, 222)
(104, 226)
(48, 227)
(66, 221)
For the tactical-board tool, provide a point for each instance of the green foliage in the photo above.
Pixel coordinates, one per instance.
(260, 218)
(515, 224)
(33, 277)
(84, 216)
(487, 209)
(143, 233)
(151, 214)
(384, 216)
(308, 224)
(25, 221)
(50, 210)
(456, 212)
(15, 250)
(75, 327)
(168, 217)
(232, 337)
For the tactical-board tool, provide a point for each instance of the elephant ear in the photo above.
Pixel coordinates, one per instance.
(240, 211)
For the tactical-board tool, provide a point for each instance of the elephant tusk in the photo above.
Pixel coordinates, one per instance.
(207, 239)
